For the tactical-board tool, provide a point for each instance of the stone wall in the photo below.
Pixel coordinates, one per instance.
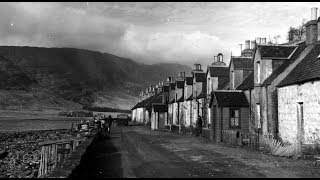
(288, 98)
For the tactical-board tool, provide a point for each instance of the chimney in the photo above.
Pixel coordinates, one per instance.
(181, 75)
(253, 44)
(197, 67)
(263, 40)
(312, 28)
(214, 58)
(258, 41)
(156, 90)
(247, 44)
(314, 13)
(220, 57)
(240, 48)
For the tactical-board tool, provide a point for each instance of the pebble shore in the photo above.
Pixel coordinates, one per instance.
(20, 151)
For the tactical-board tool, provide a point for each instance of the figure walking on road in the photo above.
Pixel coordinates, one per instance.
(109, 123)
(199, 125)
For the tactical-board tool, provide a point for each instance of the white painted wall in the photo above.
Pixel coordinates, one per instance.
(288, 98)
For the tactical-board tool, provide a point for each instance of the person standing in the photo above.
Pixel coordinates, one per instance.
(199, 125)
(109, 123)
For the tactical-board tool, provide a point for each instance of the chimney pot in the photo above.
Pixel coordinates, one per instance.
(220, 57)
(312, 28)
(240, 48)
(258, 40)
(314, 13)
(197, 67)
(253, 44)
(247, 44)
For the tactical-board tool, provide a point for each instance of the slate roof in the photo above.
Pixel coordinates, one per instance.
(141, 103)
(180, 99)
(180, 84)
(230, 99)
(218, 71)
(165, 88)
(248, 83)
(189, 80)
(172, 86)
(307, 70)
(301, 47)
(227, 86)
(172, 101)
(200, 77)
(160, 107)
(202, 95)
(189, 98)
(242, 62)
(154, 99)
(223, 82)
(275, 51)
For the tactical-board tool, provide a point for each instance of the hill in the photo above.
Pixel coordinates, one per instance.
(31, 76)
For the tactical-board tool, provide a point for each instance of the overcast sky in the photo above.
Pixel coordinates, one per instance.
(149, 32)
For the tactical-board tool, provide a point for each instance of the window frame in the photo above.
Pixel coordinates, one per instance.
(239, 118)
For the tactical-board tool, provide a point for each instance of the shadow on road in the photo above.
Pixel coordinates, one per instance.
(101, 160)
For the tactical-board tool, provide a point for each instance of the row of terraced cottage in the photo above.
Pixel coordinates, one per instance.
(269, 89)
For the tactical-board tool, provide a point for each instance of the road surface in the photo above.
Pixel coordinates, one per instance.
(136, 151)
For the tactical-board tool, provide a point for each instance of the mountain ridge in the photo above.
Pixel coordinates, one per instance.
(85, 77)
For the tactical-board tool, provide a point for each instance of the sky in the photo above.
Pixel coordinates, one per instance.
(150, 32)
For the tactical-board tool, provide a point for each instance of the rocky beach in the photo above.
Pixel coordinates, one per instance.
(20, 151)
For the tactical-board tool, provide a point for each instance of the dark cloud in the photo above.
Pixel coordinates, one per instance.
(147, 32)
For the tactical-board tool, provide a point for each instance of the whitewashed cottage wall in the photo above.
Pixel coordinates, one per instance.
(288, 98)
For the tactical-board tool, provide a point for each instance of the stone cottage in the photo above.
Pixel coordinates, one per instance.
(217, 77)
(198, 93)
(267, 59)
(171, 103)
(299, 94)
(179, 100)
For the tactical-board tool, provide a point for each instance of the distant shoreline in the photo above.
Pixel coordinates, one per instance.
(106, 109)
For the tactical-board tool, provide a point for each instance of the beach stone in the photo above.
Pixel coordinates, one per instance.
(27, 172)
(3, 154)
(317, 163)
(30, 176)
(3, 175)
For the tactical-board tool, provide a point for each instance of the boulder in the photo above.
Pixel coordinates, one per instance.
(3, 154)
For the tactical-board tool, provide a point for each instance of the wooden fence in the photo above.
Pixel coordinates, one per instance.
(54, 152)
(240, 138)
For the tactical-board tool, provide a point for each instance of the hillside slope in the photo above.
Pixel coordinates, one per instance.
(80, 76)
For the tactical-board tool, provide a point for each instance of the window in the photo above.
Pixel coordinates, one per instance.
(258, 73)
(258, 115)
(234, 117)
